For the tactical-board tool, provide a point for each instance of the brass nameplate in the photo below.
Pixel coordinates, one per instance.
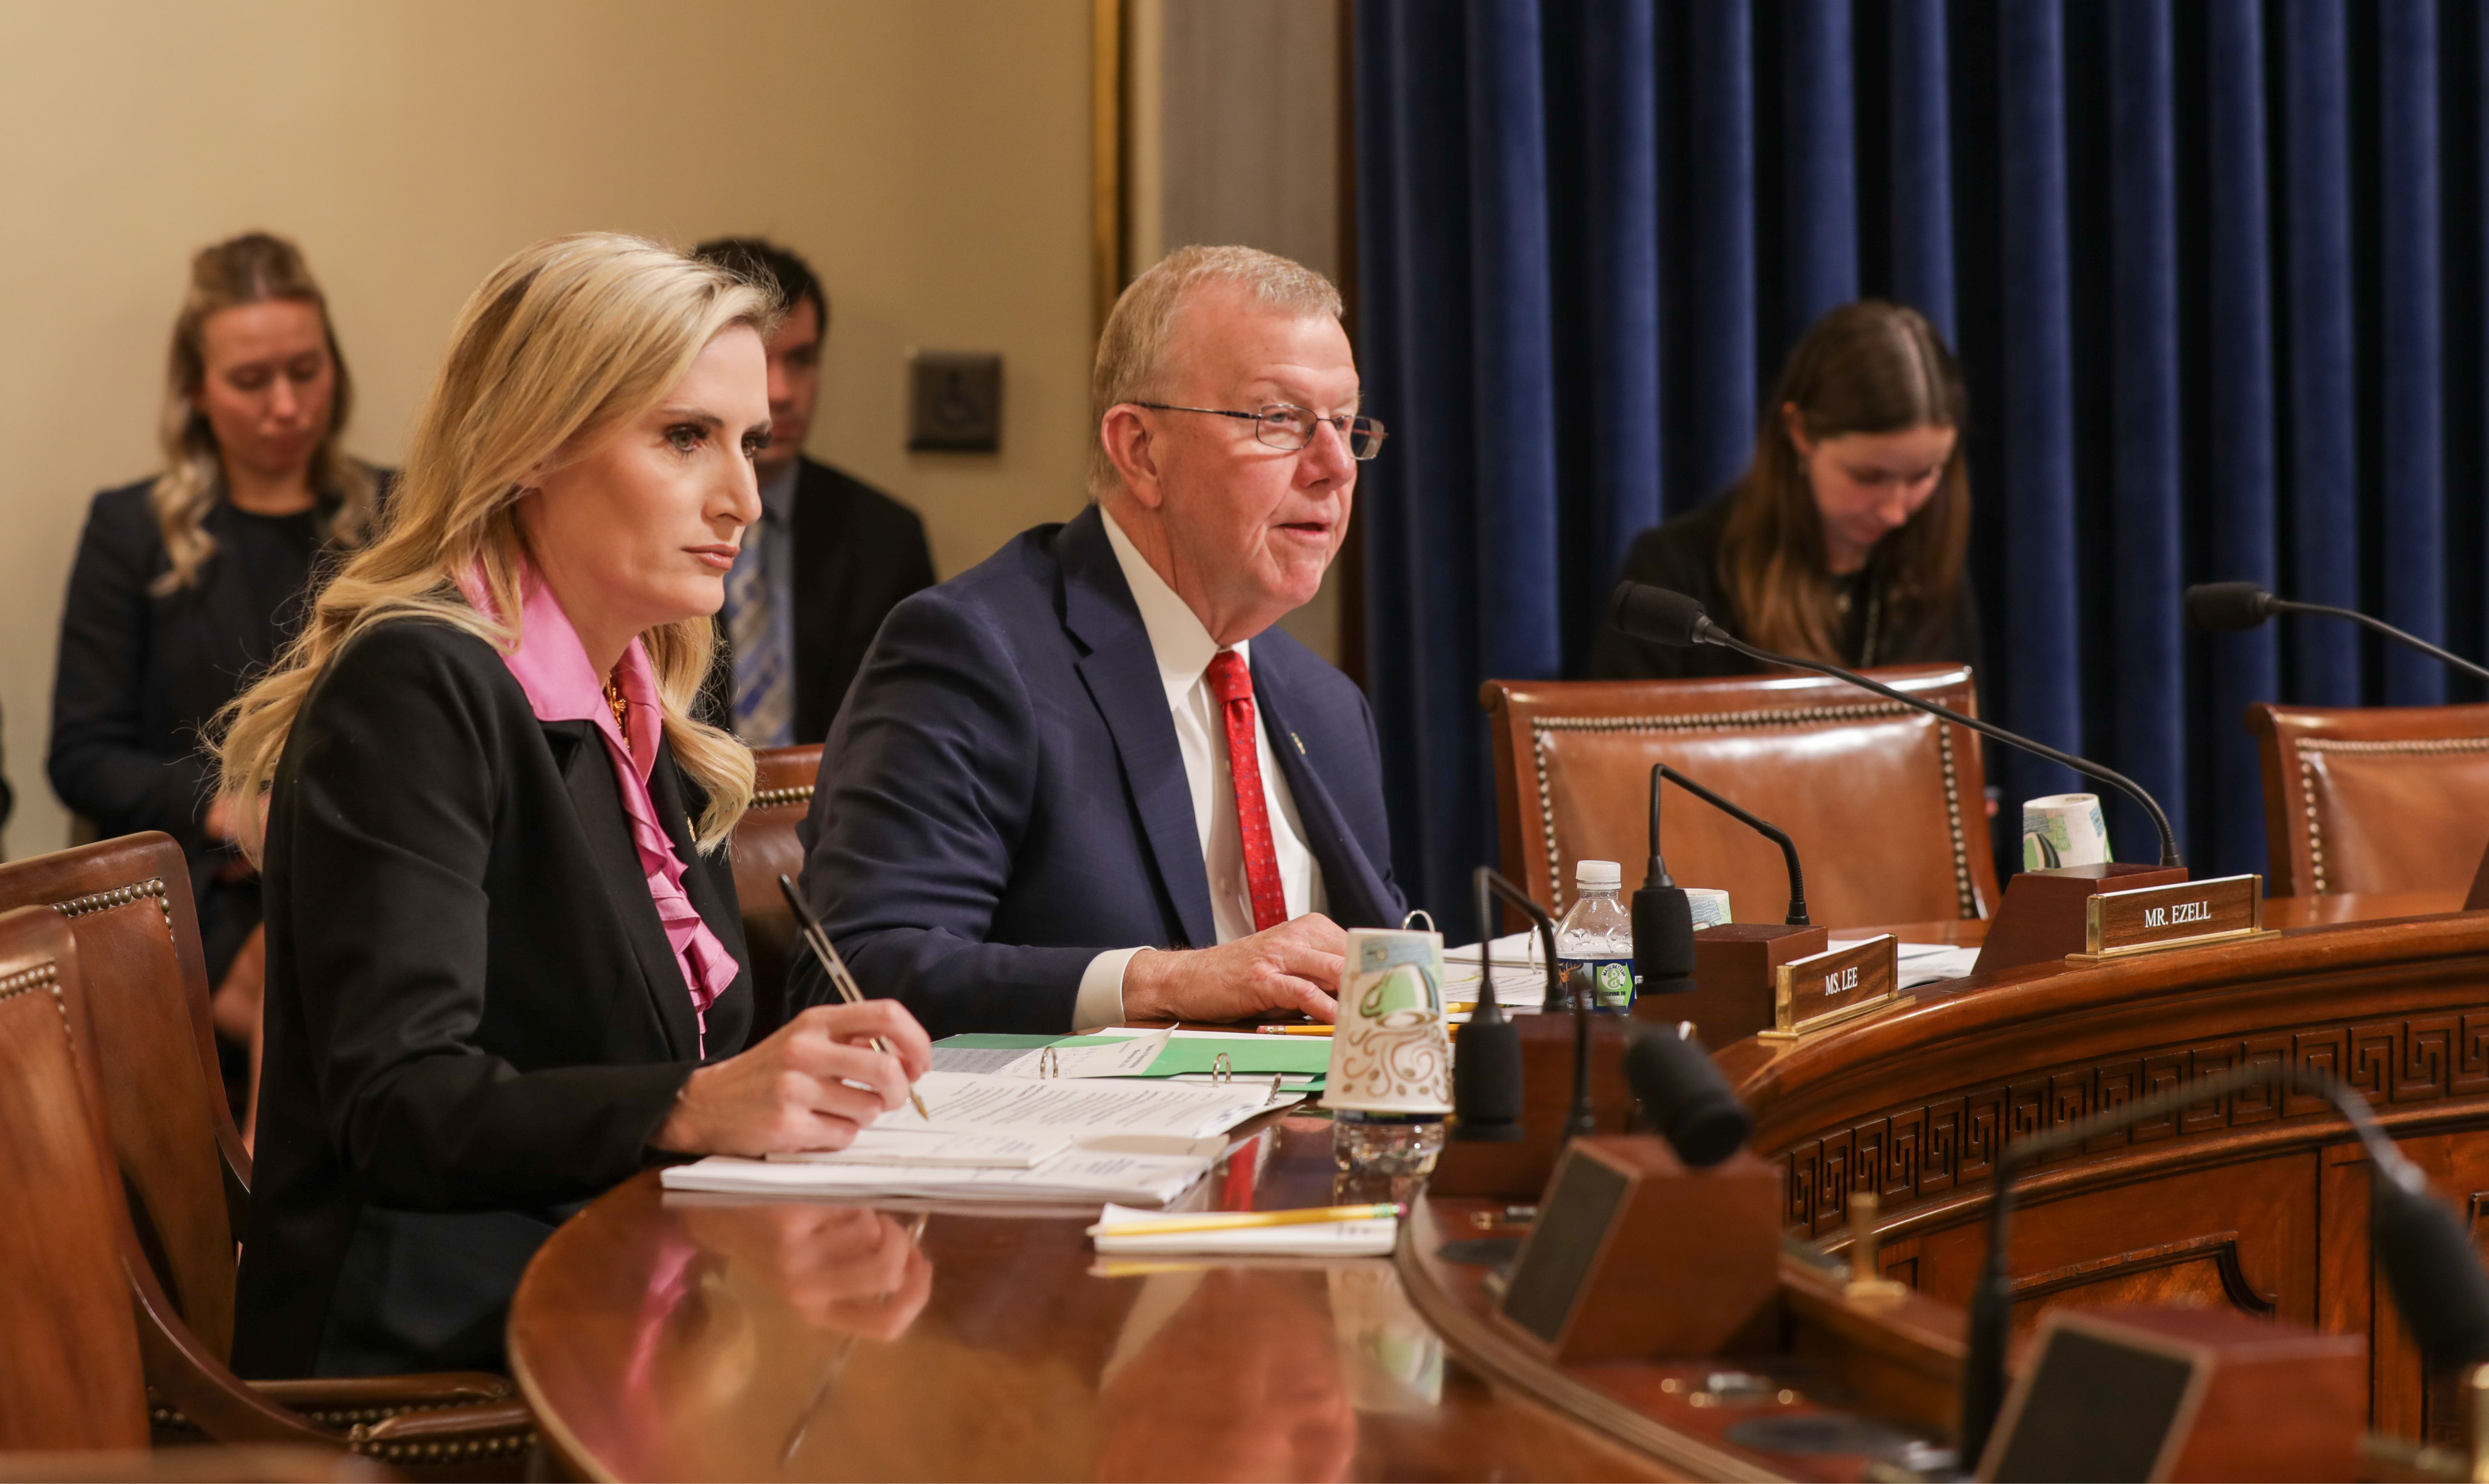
(2184, 915)
(1826, 990)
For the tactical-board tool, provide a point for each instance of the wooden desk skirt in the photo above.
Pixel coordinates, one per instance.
(2260, 1203)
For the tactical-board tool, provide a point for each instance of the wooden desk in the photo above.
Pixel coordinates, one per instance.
(2249, 1204)
(719, 1337)
(702, 1338)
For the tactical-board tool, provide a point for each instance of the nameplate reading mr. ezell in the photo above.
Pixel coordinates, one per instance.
(1828, 988)
(2187, 913)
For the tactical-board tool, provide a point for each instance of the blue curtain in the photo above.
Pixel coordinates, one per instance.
(2213, 267)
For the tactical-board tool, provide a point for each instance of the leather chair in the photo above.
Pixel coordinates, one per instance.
(274, 1464)
(1887, 804)
(764, 848)
(143, 998)
(2373, 798)
(74, 1376)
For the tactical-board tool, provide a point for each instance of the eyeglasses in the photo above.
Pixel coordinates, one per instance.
(1286, 425)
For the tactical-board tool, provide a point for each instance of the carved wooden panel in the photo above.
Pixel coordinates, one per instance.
(2240, 1234)
(1937, 1147)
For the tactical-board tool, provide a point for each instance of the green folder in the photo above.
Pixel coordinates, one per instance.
(1262, 1056)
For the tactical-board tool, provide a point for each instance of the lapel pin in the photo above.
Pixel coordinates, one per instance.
(1300, 744)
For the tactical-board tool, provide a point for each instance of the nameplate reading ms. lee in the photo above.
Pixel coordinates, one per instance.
(2178, 916)
(1828, 988)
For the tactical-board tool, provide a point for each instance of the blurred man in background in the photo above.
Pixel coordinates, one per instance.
(831, 555)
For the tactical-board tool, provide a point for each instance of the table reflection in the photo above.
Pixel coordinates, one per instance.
(848, 1268)
(1240, 1379)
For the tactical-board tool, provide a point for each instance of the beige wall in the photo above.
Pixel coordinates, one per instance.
(931, 156)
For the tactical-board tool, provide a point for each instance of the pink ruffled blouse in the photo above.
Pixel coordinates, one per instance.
(553, 668)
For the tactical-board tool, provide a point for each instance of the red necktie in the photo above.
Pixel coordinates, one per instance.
(1233, 684)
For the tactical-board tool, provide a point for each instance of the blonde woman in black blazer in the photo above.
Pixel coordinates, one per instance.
(504, 966)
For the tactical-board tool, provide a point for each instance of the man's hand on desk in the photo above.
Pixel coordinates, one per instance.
(1295, 966)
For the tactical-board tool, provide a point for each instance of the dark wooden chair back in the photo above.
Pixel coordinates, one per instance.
(140, 1005)
(183, 1166)
(2373, 798)
(764, 846)
(74, 1376)
(1887, 804)
(196, 1463)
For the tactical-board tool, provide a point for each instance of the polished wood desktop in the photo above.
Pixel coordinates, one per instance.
(669, 1336)
(675, 1336)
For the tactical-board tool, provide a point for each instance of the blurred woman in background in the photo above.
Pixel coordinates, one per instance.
(189, 581)
(1846, 538)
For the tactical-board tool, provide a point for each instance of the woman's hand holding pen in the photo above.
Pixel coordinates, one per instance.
(813, 1085)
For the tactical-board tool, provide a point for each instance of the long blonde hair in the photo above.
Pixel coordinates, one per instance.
(561, 345)
(251, 268)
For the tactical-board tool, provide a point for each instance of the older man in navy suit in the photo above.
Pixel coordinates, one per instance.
(1087, 781)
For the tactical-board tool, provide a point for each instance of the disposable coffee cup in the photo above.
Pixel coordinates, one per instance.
(1391, 1051)
(2063, 829)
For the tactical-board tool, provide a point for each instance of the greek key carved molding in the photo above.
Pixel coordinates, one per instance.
(1929, 1147)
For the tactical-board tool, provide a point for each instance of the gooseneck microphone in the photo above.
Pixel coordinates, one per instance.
(1486, 1073)
(1491, 883)
(1766, 828)
(1676, 621)
(2436, 1279)
(2219, 606)
(1663, 920)
(1681, 1089)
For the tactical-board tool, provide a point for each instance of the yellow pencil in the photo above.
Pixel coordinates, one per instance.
(1237, 1220)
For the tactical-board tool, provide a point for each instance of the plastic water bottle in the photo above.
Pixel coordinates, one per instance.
(1596, 937)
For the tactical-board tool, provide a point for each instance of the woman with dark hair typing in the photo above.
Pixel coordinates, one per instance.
(1845, 540)
(504, 950)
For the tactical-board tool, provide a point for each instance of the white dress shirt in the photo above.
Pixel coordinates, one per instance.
(1184, 650)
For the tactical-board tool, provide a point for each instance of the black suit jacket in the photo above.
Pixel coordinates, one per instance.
(1685, 555)
(857, 552)
(139, 676)
(1004, 797)
(474, 1021)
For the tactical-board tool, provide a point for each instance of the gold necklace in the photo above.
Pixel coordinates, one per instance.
(621, 707)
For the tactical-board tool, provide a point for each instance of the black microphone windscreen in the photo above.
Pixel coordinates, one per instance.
(1655, 614)
(1685, 1096)
(2436, 1277)
(1663, 938)
(2217, 607)
(1486, 1082)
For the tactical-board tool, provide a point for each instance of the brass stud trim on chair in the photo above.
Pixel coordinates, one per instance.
(772, 798)
(121, 896)
(2312, 749)
(359, 1441)
(1541, 727)
(44, 975)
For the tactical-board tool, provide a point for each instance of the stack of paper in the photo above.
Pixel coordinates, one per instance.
(1520, 974)
(1925, 963)
(1013, 1138)
(1085, 1176)
(1124, 1231)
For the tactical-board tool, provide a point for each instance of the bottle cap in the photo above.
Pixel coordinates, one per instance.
(1598, 876)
